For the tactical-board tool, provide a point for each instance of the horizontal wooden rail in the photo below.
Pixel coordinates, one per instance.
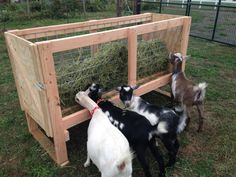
(70, 43)
(74, 42)
(159, 25)
(81, 26)
(83, 115)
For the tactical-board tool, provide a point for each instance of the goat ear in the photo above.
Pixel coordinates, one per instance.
(135, 87)
(170, 55)
(118, 88)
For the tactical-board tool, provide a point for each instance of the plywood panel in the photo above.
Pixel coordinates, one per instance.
(27, 77)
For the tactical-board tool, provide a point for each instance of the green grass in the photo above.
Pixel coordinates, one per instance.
(211, 153)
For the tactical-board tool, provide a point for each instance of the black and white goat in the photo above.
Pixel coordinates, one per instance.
(107, 147)
(167, 122)
(185, 91)
(135, 127)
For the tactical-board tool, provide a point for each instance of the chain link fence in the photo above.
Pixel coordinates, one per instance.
(211, 19)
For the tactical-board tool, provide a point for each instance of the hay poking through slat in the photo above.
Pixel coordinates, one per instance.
(107, 67)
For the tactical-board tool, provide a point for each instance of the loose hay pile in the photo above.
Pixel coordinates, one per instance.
(107, 67)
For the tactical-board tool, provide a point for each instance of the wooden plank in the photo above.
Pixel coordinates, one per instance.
(159, 17)
(106, 36)
(13, 65)
(85, 28)
(69, 43)
(163, 92)
(24, 63)
(132, 56)
(159, 25)
(49, 75)
(154, 84)
(185, 38)
(87, 25)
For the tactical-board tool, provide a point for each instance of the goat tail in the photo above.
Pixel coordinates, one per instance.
(182, 118)
(201, 91)
(124, 161)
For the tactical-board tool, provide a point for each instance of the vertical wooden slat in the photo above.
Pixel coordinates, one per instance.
(49, 75)
(132, 56)
(185, 38)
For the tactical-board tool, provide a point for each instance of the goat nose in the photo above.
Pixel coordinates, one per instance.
(76, 100)
(127, 104)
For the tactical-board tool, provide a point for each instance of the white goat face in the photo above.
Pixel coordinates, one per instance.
(79, 96)
(175, 58)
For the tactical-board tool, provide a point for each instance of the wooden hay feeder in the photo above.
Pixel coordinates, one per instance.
(32, 58)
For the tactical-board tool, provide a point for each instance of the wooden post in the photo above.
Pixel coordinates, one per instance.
(49, 75)
(185, 38)
(132, 56)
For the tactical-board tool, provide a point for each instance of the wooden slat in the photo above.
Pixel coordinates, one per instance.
(160, 25)
(185, 38)
(82, 26)
(49, 75)
(159, 17)
(132, 56)
(13, 65)
(154, 84)
(163, 92)
(27, 75)
(69, 43)
(106, 36)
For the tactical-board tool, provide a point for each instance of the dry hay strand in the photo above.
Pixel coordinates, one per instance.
(107, 67)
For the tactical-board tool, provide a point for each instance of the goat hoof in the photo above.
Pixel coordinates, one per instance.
(86, 164)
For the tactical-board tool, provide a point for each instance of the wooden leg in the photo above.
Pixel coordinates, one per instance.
(201, 118)
(53, 149)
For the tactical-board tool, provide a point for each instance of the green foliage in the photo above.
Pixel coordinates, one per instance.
(4, 18)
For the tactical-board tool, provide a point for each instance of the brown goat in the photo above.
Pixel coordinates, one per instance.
(185, 91)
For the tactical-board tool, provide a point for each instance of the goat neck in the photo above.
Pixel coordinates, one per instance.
(134, 102)
(87, 103)
(177, 68)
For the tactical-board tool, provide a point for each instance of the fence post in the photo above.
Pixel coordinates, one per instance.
(138, 7)
(216, 20)
(160, 6)
(188, 6)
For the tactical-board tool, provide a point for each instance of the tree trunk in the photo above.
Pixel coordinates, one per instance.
(118, 7)
(28, 8)
(84, 6)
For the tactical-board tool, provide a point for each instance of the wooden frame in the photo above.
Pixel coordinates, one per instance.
(35, 76)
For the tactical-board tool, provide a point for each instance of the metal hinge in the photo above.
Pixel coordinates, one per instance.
(40, 86)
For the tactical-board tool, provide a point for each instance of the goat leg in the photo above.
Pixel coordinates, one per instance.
(158, 156)
(87, 163)
(201, 118)
(188, 118)
(140, 151)
(171, 146)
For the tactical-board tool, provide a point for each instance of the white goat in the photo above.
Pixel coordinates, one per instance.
(107, 147)
(185, 91)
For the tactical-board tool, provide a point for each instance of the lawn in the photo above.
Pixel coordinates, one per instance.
(211, 153)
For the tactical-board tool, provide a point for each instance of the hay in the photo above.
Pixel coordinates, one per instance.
(108, 67)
